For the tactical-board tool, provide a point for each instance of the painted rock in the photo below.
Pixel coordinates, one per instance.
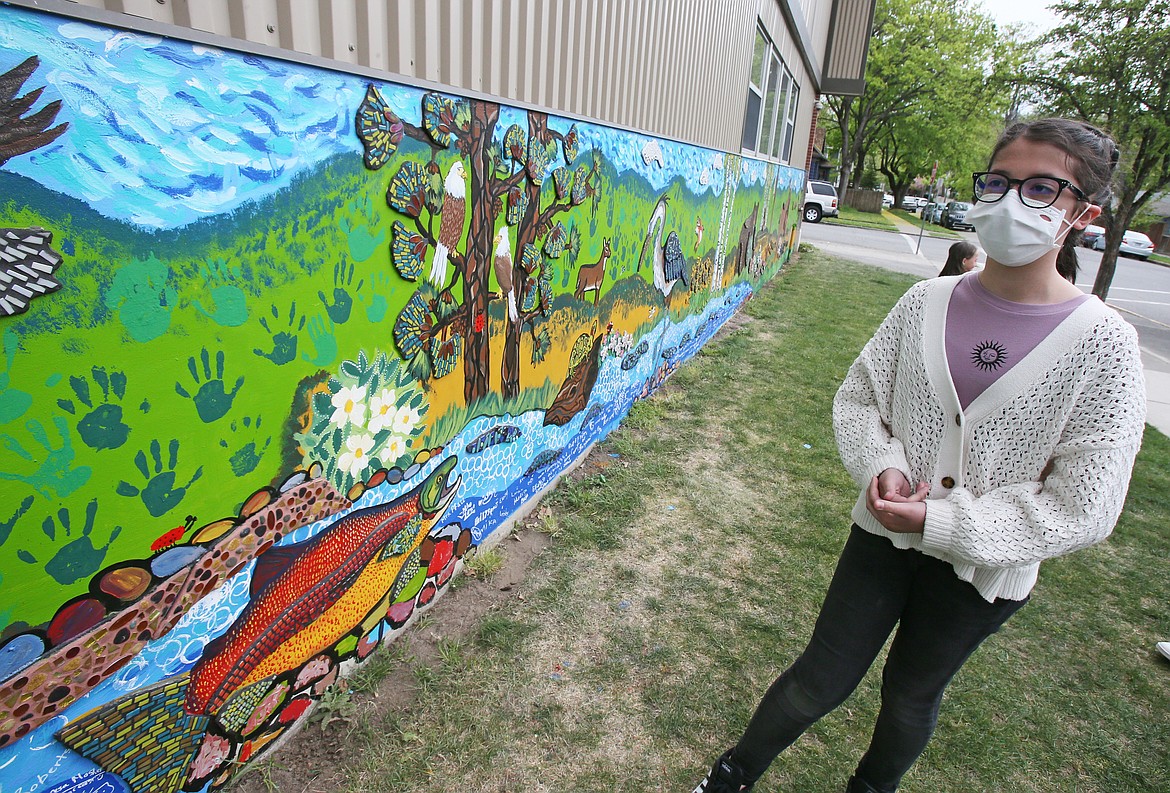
(75, 619)
(294, 479)
(294, 710)
(125, 583)
(19, 652)
(175, 559)
(314, 669)
(258, 501)
(213, 531)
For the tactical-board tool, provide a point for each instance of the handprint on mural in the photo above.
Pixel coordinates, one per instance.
(55, 474)
(339, 310)
(102, 427)
(159, 493)
(284, 341)
(212, 400)
(78, 558)
(143, 298)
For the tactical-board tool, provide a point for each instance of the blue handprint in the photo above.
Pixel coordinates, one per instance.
(55, 473)
(229, 301)
(284, 341)
(342, 304)
(212, 400)
(321, 334)
(245, 459)
(78, 558)
(142, 296)
(379, 304)
(362, 244)
(102, 427)
(159, 494)
(13, 403)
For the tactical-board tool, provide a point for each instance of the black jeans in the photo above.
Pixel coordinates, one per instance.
(941, 620)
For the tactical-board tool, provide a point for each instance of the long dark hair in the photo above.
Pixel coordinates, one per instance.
(1092, 156)
(955, 256)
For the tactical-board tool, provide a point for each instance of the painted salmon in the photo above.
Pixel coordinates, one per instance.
(306, 597)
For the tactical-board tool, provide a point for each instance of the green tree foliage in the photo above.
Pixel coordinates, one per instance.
(1108, 66)
(926, 94)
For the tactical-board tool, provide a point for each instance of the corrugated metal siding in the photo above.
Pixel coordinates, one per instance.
(848, 45)
(675, 68)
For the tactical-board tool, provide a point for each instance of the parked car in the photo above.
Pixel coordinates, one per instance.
(887, 201)
(913, 203)
(932, 211)
(820, 199)
(1133, 243)
(954, 216)
(1090, 236)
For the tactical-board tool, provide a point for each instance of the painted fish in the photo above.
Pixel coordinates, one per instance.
(501, 433)
(545, 458)
(306, 597)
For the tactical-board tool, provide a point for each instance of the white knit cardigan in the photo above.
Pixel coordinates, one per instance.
(1037, 466)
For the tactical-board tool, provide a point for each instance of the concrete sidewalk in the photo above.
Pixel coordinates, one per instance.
(1157, 378)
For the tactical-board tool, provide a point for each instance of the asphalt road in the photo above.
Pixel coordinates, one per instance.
(1140, 290)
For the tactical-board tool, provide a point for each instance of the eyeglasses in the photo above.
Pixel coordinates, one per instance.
(1036, 191)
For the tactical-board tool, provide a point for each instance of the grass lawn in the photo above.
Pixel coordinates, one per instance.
(687, 573)
(855, 217)
(1160, 257)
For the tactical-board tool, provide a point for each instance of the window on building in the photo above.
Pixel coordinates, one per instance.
(755, 97)
(769, 120)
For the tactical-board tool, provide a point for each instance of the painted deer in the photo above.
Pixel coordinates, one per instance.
(590, 276)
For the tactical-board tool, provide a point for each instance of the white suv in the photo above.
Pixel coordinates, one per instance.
(820, 199)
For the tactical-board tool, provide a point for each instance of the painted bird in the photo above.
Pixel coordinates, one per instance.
(698, 231)
(503, 266)
(451, 225)
(668, 262)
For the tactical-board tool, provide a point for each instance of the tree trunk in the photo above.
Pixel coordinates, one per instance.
(846, 146)
(526, 233)
(1114, 230)
(477, 351)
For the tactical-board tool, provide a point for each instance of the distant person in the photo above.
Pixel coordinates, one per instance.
(962, 258)
(990, 423)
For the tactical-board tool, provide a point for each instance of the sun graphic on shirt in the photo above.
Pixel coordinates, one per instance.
(988, 355)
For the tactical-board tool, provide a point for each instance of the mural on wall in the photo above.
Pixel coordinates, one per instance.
(279, 347)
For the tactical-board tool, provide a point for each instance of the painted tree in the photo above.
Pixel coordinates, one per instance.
(1108, 67)
(20, 133)
(438, 323)
(432, 327)
(27, 260)
(533, 205)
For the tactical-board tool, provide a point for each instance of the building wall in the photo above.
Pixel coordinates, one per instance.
(281, 344)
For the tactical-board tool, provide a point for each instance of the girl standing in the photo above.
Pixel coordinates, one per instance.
(991, 423)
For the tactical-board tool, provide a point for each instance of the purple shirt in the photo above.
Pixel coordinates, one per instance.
(987, 335)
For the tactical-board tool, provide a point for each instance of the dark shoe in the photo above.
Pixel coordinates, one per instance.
(724, 777)
(858, 785)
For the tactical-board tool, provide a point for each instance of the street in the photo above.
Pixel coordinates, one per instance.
(1140, 290)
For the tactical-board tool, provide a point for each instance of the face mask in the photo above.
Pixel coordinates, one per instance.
(1014, 234)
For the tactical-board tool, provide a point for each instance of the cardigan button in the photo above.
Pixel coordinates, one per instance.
(959, 419)
(948, 482)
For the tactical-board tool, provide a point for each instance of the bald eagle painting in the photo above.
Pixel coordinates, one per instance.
(503, 265)
(451, 225)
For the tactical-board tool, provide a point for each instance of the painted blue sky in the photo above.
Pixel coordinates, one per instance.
(163, 133)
